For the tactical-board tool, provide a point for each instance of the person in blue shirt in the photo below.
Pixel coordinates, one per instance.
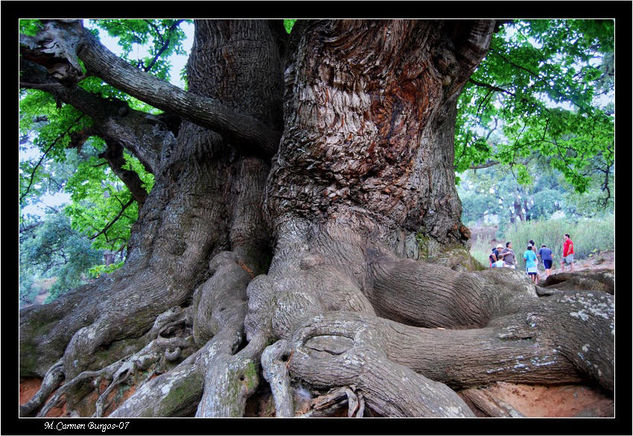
(546, 256)
(530, 263)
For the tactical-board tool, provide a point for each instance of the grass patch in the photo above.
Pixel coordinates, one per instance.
(590, 235)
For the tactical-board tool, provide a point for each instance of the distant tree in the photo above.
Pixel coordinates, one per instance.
(52, 249)
(502, 192)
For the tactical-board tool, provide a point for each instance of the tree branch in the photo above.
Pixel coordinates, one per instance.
(239, 129)
(111, 223)
(49, 148)
(112, 118)
(114, 156)
(484, 165)
(491, 87)
(165, 42)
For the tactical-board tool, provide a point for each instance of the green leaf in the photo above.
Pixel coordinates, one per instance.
(289, 24)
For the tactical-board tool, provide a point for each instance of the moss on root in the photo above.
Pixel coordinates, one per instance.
(182, 398)
(456, 257)
(29, 354)
(251, 377)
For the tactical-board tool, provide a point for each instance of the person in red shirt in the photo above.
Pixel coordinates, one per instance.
(568, 253)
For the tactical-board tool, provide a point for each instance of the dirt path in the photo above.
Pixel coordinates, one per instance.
(602, 260)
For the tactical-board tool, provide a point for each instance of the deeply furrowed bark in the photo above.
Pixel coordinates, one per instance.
(363, 179)
(363, 165)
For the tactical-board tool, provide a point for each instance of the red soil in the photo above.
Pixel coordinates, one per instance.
(29, 387)
(553, 401)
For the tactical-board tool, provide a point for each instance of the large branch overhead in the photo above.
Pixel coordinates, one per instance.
(61, 44)
(140, 133)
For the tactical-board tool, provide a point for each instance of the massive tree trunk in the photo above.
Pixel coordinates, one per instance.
(310, 268)
(205, 206)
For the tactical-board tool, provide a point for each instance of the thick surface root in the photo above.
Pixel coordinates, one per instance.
(348, 353)
(275, 370)
(52, 379)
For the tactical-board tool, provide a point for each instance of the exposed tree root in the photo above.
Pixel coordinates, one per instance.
(214, 381)
(173, 393)
(490, 406)
(347, 352)
(275, 371)
(95, 376)
(318, 301)
(51, 380)
(331, 403)
(493, 326)
(118, 372)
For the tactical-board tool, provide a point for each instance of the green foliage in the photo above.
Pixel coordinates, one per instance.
(545, 203)
(161, 38)
(98, 200)
(289, 24)
(46, 127)
(133, 164)
(59, 247)
(44, 138)
(28, 289)
(541, 91)
(492, 195)
(30, 27)
(590, 235)
(52, 249)
(98, 270)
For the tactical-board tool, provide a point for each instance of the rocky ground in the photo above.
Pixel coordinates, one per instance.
(518, 400)
(601, 260)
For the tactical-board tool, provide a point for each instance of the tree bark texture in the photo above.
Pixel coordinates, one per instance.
(301, 270)
(207, 200)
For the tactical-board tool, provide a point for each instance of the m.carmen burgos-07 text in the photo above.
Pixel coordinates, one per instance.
(103, 426)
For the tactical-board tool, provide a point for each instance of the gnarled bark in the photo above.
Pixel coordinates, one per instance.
(62, 44)
(363, 165)
(358, 196)
(206, 200)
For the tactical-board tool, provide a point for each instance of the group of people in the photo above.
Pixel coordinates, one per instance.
(505, 257)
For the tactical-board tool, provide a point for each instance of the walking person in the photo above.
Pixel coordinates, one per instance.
(568, 253)
(532, 245)
(509, 258)
(546, 257)
(530, 263)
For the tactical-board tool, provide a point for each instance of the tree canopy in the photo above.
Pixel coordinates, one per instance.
(545, 90)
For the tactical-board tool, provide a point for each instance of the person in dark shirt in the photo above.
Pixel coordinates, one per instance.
(508, 256)
(546, 256)
(495, 255)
